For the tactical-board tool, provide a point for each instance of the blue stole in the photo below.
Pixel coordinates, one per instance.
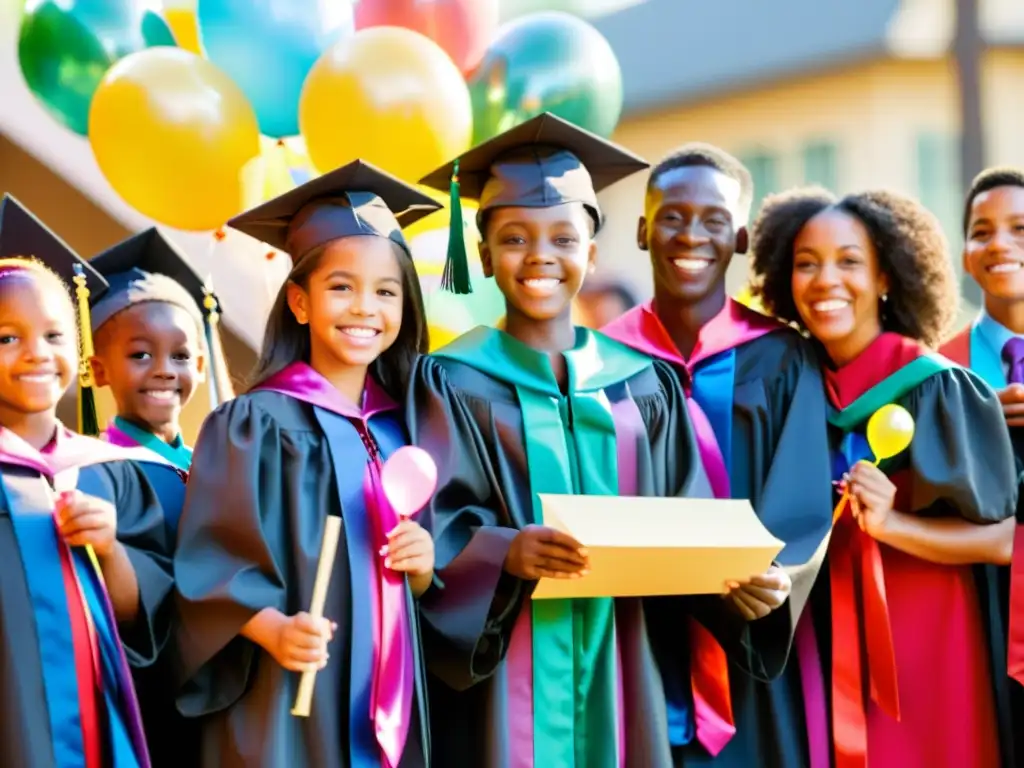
(713, 381)
(349, 456)
(35, 530)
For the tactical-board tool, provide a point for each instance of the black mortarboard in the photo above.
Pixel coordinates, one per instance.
(356, 199)
(22, 235)
(543, 162)
(149, 267)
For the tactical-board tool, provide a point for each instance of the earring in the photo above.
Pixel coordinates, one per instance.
(885, 297)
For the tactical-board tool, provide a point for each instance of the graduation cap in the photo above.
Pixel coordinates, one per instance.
(356, 199)
(148, 267)
(541, 163)
(23, 236)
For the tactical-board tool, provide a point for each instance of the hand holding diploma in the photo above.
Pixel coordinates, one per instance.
(301, 642)
(758, 596)
(298, 643)
(538, 552)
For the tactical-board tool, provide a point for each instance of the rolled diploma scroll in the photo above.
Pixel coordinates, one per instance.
(328, 549)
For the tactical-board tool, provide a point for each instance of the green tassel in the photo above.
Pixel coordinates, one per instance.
(456, 266)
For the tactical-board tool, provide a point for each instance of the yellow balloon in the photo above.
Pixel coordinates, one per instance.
(173, 134)
(890, 430)
(185, 28)
(746, 297)
(387, 95)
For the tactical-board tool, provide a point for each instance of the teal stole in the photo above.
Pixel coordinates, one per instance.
(177, 453)
(888, 390)
(570, 449)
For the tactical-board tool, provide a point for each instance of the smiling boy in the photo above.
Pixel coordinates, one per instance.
(755, 383)
(993, 345)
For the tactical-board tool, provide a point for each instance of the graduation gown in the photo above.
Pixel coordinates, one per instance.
(930, 636)
(567, 682)
(968, 349)
(173, 740)
(65, 682)
(269, 466)
(757, 385)
(965, 349)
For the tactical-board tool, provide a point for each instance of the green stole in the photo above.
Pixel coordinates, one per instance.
(570, 449)
(178, 454)
(888, 390)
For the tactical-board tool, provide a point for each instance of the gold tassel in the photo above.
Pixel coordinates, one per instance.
(88, 423)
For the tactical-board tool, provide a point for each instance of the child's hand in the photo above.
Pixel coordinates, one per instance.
(301, 642)
(86, 520)
(538, 552)
(760, 595)
(409, 550)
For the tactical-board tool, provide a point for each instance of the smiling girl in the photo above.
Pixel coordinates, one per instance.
(83, 544)
(307, 441)
(544, 407)
(870, 279)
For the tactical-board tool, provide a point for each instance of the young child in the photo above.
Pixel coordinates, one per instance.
(82, 539)
(156, 338)
(306, 442)
(914, 649)
(152, 329)
(756, 384)
(547, 407)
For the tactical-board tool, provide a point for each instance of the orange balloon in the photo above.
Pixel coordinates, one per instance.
(173, 135)
(389, 96)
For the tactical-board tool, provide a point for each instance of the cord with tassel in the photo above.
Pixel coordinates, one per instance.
(211, 317)
(88, 422)
(455, 278)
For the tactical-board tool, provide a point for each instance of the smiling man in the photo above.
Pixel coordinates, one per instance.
(755, 383)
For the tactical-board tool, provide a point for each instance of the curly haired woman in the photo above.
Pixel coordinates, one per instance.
(914, 644)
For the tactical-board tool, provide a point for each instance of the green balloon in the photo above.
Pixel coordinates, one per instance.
(547, 62)
(65, 50)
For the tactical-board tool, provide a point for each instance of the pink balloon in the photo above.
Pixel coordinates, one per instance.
(409, 478)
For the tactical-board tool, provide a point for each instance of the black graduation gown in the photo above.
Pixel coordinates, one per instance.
(25, 733)
(466, 408)
(759, 384)
(778, 448)
(948, 630)
(263, 479)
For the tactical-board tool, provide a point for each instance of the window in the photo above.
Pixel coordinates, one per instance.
(938, 188)
(764, 169)
(820, 164)
(938, 180)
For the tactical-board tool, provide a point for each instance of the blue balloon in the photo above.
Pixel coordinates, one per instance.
(268, 48)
